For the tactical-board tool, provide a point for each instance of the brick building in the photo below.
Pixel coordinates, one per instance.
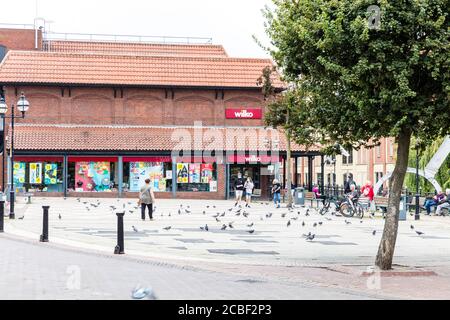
(103, 115)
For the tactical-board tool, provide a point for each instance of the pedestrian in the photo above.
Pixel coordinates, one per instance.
(146, 199)
(276, 191)
(445, 203)
(367, 191)
(239, 188)
(348, 183)
(433, 202)
(248, 186)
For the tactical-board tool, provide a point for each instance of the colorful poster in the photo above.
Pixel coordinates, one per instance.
(92, 176)
(35, 173)
(213, 186)
(139, 171)
(206, 173)
(182, 172)
(19, 172)
(50, 173)
(194, 173)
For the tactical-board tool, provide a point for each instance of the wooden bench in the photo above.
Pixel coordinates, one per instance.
(381, 202)
(311, 196)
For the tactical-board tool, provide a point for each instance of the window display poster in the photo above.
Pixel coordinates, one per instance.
(139, 171)
(206, 173)
(93, 176)
(213, 186)
(182, 172)
(35, 173)
(50, 173)
(194, 173)
(19, 172)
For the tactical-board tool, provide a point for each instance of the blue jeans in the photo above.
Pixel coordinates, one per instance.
(276, 197)
(428, 204)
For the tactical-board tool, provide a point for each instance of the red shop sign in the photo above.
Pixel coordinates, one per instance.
(148, 159)
(243, 113)
(253, 158)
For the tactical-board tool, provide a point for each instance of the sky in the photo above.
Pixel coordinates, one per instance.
(228, 22)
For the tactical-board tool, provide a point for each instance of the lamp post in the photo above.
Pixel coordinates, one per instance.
(417, 213)
(22, 105)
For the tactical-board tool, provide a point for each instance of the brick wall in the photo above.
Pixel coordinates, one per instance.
(134, 106)
(20, 39)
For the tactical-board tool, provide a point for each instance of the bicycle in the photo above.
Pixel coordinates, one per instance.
(327, 205)
(349, 208)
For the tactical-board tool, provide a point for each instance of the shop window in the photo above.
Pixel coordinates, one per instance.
(136, 172)
(195, 177)
(349, 159)
(38, 176)
(92, 176)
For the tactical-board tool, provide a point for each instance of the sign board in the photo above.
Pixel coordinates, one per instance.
(243, 113)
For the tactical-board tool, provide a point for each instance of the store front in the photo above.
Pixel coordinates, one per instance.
(261, 169)
(121, 175)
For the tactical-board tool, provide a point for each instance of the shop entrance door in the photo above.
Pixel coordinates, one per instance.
(261, 182)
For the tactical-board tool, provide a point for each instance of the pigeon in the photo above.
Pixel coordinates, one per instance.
(223, 227)
(311, 237)
(412, 227)
(250, 225)
(231, 209)
(251, 231)
(59, 216)
(179, 211)
(21, 218)
(261, 218)
(130, 211)
(245, 214)
(283, 215)
(374, 232)
(162, 214)
(303, 224)
(307, 214)
(206, 228)
(269, 215)
(329, 219)
(134, 229)
(289, 223)
(360, 221)
(294, 218)
(230, 225)
(207, 207)
(218, 214)
(223, 214)
(320, 223)
(217, 219)
(315, 224)
(214, 207)
(170, 214)
(202, 228)
(238, 214)
(167, 228)
(307, 235)
(347, 222)
(187, 211)
(419, 233)
(204, 212)
(140, 293)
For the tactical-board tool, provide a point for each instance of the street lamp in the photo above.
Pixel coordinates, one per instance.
(23, 105)
(417, 213)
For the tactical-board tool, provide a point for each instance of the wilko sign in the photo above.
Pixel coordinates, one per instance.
(254, 159)
(243, 113)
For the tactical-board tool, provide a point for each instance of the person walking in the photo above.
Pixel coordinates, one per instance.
(248, 186)
(276, 191)
(445, 203)
(146, 199)
(239, 188)
(367, 191)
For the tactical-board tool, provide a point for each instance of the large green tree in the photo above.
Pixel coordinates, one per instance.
(366, 83)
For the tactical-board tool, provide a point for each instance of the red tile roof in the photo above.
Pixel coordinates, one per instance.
(34, 67)
(143, 138)
(137, 49)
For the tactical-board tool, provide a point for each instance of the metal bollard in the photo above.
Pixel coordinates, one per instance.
(120, 247)
(44, 235)
(2, 214)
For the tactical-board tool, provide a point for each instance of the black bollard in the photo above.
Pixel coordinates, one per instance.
(120, 247)
(44, 235)
(2, 215)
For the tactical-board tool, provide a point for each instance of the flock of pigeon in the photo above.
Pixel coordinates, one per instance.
(225, 222)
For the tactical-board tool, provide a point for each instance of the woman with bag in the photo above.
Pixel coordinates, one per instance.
(146, 199)
(248, 186)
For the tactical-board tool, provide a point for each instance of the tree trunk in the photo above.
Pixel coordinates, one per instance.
(387, 245)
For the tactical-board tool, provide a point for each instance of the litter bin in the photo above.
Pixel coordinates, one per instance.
(300, 196)
(402, 208)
